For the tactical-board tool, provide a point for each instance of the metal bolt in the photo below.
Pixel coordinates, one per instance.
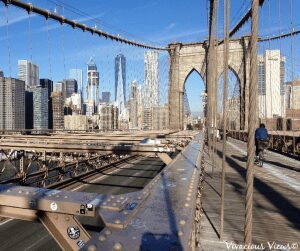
(8, 190)
(107, 232)
(92, 248)
(117, 221)
(189, 194)
(66, 197)
(27, 192)
(188, 198)
(182, 222)
(139, 198)
(125, 212)
(102, 238)
(186, 204)
(20, 191)
(118, 246)
(180, 233)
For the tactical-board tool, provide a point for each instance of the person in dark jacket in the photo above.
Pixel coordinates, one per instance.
(261, 135)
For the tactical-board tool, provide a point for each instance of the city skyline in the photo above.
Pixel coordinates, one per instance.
(173, 29)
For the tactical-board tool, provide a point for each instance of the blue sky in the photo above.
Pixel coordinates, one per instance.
(154, 22)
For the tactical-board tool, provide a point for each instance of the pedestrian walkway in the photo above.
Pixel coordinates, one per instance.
(276, 204)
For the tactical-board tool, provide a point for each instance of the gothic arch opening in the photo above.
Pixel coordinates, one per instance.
(234, 100)
(193, 106)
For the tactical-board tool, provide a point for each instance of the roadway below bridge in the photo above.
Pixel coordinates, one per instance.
(130, 176)
(276, 200)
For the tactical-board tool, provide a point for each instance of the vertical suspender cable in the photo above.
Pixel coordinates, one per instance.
(210, 73)
(30, 36)
(252, 121)
(49, 49)
(84, 44)
(63, 49)
(225, 90)
(215, 88)
(292, 85)
(269, 60)
(282, 85)
(7, 40)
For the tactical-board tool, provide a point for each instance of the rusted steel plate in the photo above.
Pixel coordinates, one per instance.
(165, 219)
(57, 201)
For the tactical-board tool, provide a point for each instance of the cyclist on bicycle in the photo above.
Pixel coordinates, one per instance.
(261, 138)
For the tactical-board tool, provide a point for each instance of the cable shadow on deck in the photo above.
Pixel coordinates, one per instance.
(285, 206)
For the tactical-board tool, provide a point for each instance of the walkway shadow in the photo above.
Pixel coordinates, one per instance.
(165, 241)
(284, 205)
(159, 242)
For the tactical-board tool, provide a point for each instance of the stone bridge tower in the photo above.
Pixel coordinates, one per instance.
(186, 58)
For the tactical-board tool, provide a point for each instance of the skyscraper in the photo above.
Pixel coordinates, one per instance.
(120, 75)
(29, 109)
(1, 74)
(105, 97)
(92, 84)
(151, 93)
(57, 110)
(108, 117)
(77, 75)
(59, 87)
(67, 87)
(160, 117)
(12, 104)
(187, 109)
(29, 73)
(40, 108)
(271, 78)
(48, 84)
(71, 87)
(136, 111)
(120, 82)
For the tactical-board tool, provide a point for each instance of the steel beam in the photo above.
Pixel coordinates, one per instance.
(66, 230)
(165, 158)
(88, 148)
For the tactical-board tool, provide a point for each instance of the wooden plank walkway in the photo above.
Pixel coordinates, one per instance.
(276, 205)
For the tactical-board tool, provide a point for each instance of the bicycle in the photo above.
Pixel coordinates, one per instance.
(262, 145)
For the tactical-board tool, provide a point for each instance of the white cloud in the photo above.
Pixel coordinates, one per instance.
(170, 26)
(178, 36)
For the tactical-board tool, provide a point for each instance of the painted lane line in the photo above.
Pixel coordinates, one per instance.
(6, 221)
(35, 243)
(293, 183)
